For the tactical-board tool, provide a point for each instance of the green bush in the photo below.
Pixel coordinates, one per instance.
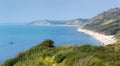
(87, 48)
(21, 54)
(47, 43)
(60, 57)
(10, 62)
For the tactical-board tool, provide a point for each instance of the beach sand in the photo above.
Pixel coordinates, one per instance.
(104, 39)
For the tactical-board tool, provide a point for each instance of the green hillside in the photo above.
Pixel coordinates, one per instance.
(46, 54)
(107, 22)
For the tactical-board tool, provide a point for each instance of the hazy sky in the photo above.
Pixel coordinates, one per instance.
(30, 10)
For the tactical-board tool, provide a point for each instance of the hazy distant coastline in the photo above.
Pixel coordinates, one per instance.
(75, 22)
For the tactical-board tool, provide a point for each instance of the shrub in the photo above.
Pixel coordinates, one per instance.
(87, 48)
(47, 43)
(21, 54)
(10, 62)
(59, 58)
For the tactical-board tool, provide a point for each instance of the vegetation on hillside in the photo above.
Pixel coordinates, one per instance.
(46, 54)
(107, 22)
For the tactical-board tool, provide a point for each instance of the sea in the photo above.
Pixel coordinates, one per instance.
(17, 38)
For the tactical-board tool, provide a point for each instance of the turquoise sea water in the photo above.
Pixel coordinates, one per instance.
(25, 36)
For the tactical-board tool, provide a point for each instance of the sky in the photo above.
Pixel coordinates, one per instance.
(30, 10)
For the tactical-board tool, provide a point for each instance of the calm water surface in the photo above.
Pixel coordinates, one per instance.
(25, 36)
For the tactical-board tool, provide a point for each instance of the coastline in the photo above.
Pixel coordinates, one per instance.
(103, 39)
(55, 25)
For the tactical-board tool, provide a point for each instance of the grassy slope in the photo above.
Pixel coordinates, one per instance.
(107, 22)
(85, 55)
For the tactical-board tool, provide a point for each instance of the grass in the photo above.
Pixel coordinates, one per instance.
(85, 55)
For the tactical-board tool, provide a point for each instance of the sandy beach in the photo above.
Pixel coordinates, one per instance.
(104, 39)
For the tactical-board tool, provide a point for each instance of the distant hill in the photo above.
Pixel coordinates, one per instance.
(107, 22)
(59, 22)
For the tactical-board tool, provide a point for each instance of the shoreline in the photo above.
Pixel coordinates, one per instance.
(55, 25)
(103, 39)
